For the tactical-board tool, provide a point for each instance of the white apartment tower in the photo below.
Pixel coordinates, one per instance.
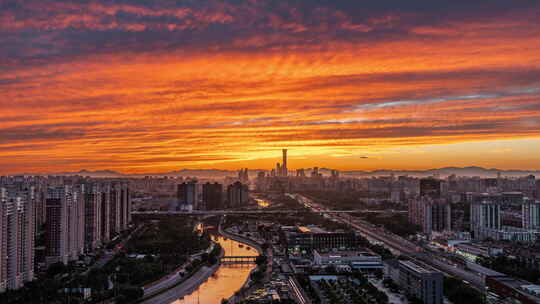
(17, 237)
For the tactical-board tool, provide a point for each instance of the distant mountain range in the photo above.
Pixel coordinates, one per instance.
(443, 172)
(218, 173)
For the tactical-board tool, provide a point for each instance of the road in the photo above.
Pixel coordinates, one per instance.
(232, 212)
(185, 288)
(109, 254)
(398, 244)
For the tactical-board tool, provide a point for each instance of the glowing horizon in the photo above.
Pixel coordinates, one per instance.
(140, 87)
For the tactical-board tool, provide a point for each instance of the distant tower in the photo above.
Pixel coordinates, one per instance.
(284, 167)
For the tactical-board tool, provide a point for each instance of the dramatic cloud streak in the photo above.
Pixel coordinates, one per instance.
(142, 86)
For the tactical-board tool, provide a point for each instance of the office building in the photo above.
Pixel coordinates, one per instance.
(237, 195)
(284, 170)
(421, 281)
(212, 196)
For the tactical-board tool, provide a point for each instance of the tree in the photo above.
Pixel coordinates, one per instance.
(330, 269)
(131, 293)
(261, 259)
(378, 274)
(56, 268)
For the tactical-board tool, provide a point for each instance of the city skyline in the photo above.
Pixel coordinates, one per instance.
(154, 86)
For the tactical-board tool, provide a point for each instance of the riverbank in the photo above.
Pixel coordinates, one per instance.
(173, 278)
(249, 242)
(183, 286)
(240, 239)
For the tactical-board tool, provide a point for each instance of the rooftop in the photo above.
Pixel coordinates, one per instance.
(417, 267)
(346, 253)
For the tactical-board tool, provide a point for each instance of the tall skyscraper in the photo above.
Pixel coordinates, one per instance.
(284, 170)
(212, 195)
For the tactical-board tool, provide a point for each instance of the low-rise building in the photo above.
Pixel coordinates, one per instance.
(355, 259)
(417, 280)
(504, 289)
(472, 251)
(304, 240)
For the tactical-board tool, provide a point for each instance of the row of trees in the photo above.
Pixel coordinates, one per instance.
(511, 267)
(458, 292)
(397, 224)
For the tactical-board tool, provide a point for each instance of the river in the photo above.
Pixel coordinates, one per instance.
(226, 280)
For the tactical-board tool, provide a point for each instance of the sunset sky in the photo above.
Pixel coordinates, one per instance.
(153, 86)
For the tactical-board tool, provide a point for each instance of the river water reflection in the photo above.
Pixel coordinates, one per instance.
(226, 280)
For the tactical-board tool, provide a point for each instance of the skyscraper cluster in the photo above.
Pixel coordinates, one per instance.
(194, 196)
(77, 216)
(281, 169)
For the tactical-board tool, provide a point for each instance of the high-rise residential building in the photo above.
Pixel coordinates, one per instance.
(76, 223)
(115, 209)
(17, 237)
(430, 187)
(187, 196)
(64, 230)
(530, 214)
(56, 225)
(212, 196)
(128, 204)
(125, 207)
(104, 191)
(237, 195)
(92, 218)
(485, 217)
(431, 214)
